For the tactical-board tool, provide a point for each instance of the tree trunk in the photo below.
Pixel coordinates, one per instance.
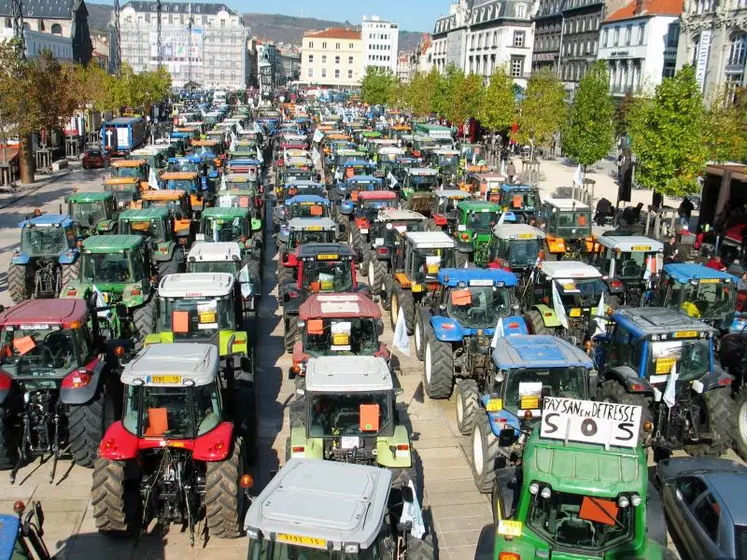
(26, 159)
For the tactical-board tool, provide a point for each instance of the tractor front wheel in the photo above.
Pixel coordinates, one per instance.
(462, 259)
(467, 405)
(115, 503)
(291, 332)
(87, 424)
(419, 336)
(8, 447)
(224, 497)
(18, 284)
(719, 418)
(484, 453)
(536, 324)
(144, 321)
(438, 367)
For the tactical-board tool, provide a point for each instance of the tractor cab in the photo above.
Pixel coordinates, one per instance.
(131, 168)
(474, 227)
(419, 179)
(212, 149)
(294, 188)
(126, 191)
(698, 291)
(447, 162)
(243, 183)
(189, 182)
(178, 204)
(303, 231)
(521, 200)
(306, 206)
(347, 191)
(517, 247)
(567, 225)
(250, 167)
(485, 186)
(448, 200)
(156, 226)
(370, 204)
(226, 257)
(227, 224)
(186, 164)
(94, 212)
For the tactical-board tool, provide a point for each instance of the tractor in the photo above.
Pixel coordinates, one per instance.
(567, 226)
(370, 203)
(244, 183)
(418, 257)
(47, 258)
(93, 212)
(116, 271)
(345, 197)
(126, 192)
(337, 325)
(177, 203)
(175, 457)
(131, 169)
(156, 226)
(299, 206)
(296, 188)
(663, 361)
(59, 385)
(278, 525)
(189, 182)
(21, 535)
(232, 224)
(473, 233)
(454, 327)
(523, 201)
(519, 249)
(301, 231)
(419, 179)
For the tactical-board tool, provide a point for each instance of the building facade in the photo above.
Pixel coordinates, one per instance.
(332, 58)
(405, 66)
(290, 64)
(380, 43)
(202, 44)
(37, 41)
(713, 38)
(424, 54)
(639, 43)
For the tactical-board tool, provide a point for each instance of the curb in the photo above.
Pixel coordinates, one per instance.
(35, 188)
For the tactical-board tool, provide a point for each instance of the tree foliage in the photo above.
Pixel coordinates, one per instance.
(466, 98)
(446, 86)
(668, 136)
(543, 111)
(726, 127)
(589, 134)
(622, 113)
(377, 85)
(497, 109)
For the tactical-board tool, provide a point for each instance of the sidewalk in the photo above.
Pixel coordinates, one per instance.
(25, 189)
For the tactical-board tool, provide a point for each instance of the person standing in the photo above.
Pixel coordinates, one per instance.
(685, 211)
(511, 171)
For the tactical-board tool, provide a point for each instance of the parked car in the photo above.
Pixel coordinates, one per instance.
(95, 159)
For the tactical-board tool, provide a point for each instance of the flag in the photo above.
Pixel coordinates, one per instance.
(223, 185)
(502, 218)
(599, 320)
(233, 146)
(153, 180)
(401, 340)
(411, 512)
(670, 393)
(392, 180)
(239, 128)
(499, 333)
(318, 136)
(105, 310)
(260, 157)
(558, 306)
(503, 167)
(244, 281)
(578, 176)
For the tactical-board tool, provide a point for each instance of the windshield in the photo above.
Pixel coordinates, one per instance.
(148, 228)
(87, 213)
(580, 292)
(301, 237)
(224, 229)
(328, 276)
(173, 206)
(184, 167)
(234, 201)
(572, 224)
(268, 550)
(482, 221)
(341, 337)
(371, 207)
(195, 319)
(341, 414)
(691, 356)
(390, 235)
(111, 268)
(448, 161)
(230, 267)
(308, 210)
(708, 301)
(427, 263)
(41, 241)
(423, 182)
(523, 252)
(171, 412)
(180, 185)
(126, 172)
(525, 388)
(478, 307)
(581, 522)
(39, 350)
(519, 200)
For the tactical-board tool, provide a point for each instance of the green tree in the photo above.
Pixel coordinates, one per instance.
(376, 85)
(726, 129)
(589, 134)
(622, 114)
(668, 136)
(466, 100)
(497, 110)
(446, 86)
(543, 111)
(419, 94)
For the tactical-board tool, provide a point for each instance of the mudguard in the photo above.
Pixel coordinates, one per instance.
(164, 251)
(347, 207)
(206, 446)
(20, 258)
(514, 325)
(615, 287)
(131, 298)
(500, 419)
(105, 226)
(447, 329)
(291, 304)
(628, 377)
(508, 485)
(313, 448)
(388, 454)
(465, 247)
(84, 394)
(716, 379)
(549, 318)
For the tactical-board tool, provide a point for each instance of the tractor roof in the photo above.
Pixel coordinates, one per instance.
(363, 179)
(569, 269)
(647, 321)
(348, 374)
(631, 243)
(147, 151)
(63, 312)
(517, 231)
(225, 212)
(513, 187)
(377, 195)
(300, 224)
(238, 178)
(174, 364)
(196, 285)
(179, 175)
(397, 214)
(461, 277)
(91, 196)
(430, 239)
(111, 243)
(166, 194)
(452, 193)
(338, 503)
(422, 171)
(128, 162)
(313, 250)
(46, 220)
(683, 272)
(214, 251)
(478, 206)
(566, 204)
(340, 306)
(137, 214)
(307, 199)
(538, 351)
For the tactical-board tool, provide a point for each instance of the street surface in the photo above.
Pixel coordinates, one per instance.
(454, 507)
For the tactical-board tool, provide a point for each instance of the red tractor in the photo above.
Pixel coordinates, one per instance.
(174, 457)
(370, 203)
(59, 386)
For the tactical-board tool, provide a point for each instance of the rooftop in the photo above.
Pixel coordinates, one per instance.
(45, 311)
(195, 285)
(111, 243)
(569, 269)
(203, 8)
(538, 351)
(335, 33)
(430, 239)
(566, 203)
(631, 243)
(517, 231)
(638, 8)
(48, 9)
(214, 251)
(338, 306)
(337, 374)
(173, 363)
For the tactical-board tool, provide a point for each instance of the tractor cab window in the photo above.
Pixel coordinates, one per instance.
(581, 292)
(303, 237)
(224, 229)
(425, 263)
(171, 412)
(571, 224)
(230, 267)
(123, 194)
(119, 172)
(623, 350)
(308, 210)
(38, 350)
(111, 268)
(481, 221)
(180, 185)
(184, 167)
(478, 307)
(422, 182)
(152, 229)
(690, 357)
(328, 276)
(525, 388)
(341, 414)
(174, 206)
(341, 337)
(370, 208)
(707, 300)
(194, 319)
(391, 233)
(40, 241)
(87, 213)
(581, 522)
(234, 201)
(522, 253)
(519, 200)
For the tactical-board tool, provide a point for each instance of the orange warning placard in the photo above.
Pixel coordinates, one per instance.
(180, 321)
(598, 510)
(315, 326)
(158, 422)
(369, 417)
(517, 201)
(23, 344)
(316, 210)
(461, 297)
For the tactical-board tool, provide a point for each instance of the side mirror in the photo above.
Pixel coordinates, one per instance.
(506, 437)
(380, 327)
(442, 307)
(230, 344)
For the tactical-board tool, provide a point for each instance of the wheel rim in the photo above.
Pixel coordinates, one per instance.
(417, 336)
(371, 274)
(477, 457)
(459, 407)
(395, 309)
(428, 363)
(742, 422)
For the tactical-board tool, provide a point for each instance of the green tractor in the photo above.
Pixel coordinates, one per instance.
(474, 231)
(232, 224)
(156, 226)
(94, 212)
(116, 271)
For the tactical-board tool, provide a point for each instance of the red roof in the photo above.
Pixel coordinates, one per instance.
(377, 195)
(338, 306)
(638, 8)
(46, 311)
(335, 33)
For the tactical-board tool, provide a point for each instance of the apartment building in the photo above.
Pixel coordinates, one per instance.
(332, 58)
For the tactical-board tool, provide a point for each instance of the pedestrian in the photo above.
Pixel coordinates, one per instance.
(742, 284)
(670, 250)
(685, 210)
(716, 263)
(657, 201)
(511, 171)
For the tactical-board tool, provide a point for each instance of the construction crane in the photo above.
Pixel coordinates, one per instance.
(117, 62)
(16, 7)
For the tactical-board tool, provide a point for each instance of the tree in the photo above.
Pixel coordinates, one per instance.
(622, 114)
(465, 99)
(497, 110)
(543, 111)
(589, 133)
(726, 129)
(668, 136)
(446, 86)
(376, 85)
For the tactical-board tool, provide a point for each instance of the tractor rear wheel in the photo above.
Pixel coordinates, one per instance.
(739, 423)
(354, 236)
(484, 453)
(296, 411)
(407, 304)
(467, 405)
(291, 332)
(612, 391)
(8, 447)
(719, 419)
(70, 272)
(168, 267)
(87, 424)
(376, 275)
(224, 497)
(144, 321)
(18, 284)
(115, 503)
(438, 367)
(536, 324)
(461, 259)
(419, 336)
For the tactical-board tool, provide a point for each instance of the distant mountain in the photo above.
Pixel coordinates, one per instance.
(275, 27)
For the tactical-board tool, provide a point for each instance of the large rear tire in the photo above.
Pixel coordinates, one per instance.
(467, 405)
(144, 321)
(402, 299)
(536, 324)
(115, 504)
(8, 446)
(419, 336)
(719, 419)
(291, 332)
(376, 275)
(612, 391)
(739, 424)
(438, 367)
(484, 453)
(168, 267)
(70, 272)
(461, 259)
(224, 497)
(87, 424)
(18, 285)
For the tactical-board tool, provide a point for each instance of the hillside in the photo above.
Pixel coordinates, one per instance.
(276, 27)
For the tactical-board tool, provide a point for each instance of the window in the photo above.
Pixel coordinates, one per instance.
(628, 33)
(517, 66)
(324, 59)
(350, 46)
(56, 29)
(519, 38)
(311, 59)
(707, 511)
(324, 45)
(222, 23)
(605, 37)
(337, 60)
(616, 37)
(337, 74)
(350, 74)
(337, 46)
(350, 60)
(641, 32)
(738, 50)
(324, 72)
(521, 11)
(311, 44)
(673, 35)
(311, 72)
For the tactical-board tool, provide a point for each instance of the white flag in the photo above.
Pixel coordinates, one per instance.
(153, 180)
(670, 393)
(578, 176)
(401, 340)
(239, 128)
(503, 167)
(411, 512)
(502, 218)
(318, 136)
(244, 280)
(499, 333)
(100, 302)
(600, 321)
(223, 185)
(558, 306)
(260, 157)
(233, 146)
(392, 180)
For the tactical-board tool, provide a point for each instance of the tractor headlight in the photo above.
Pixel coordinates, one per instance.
(534, 488)
(623, 501)
(546, 492)
(635, 499)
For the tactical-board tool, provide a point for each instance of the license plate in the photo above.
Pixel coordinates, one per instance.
(529, 402)
(494, 405)
(165, 379)
(340, 339)
(575, 313)
(525, 236)
(686, 334)
(510, 528)
(314, 228)
(350, 442)
(710, 280)
(640, 248)
(303, 541)
(324, 257)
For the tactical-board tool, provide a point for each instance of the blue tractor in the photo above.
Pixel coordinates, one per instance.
(47, 258)
(456, 322)
(664, 361)
(21, 534)
(499, 413)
